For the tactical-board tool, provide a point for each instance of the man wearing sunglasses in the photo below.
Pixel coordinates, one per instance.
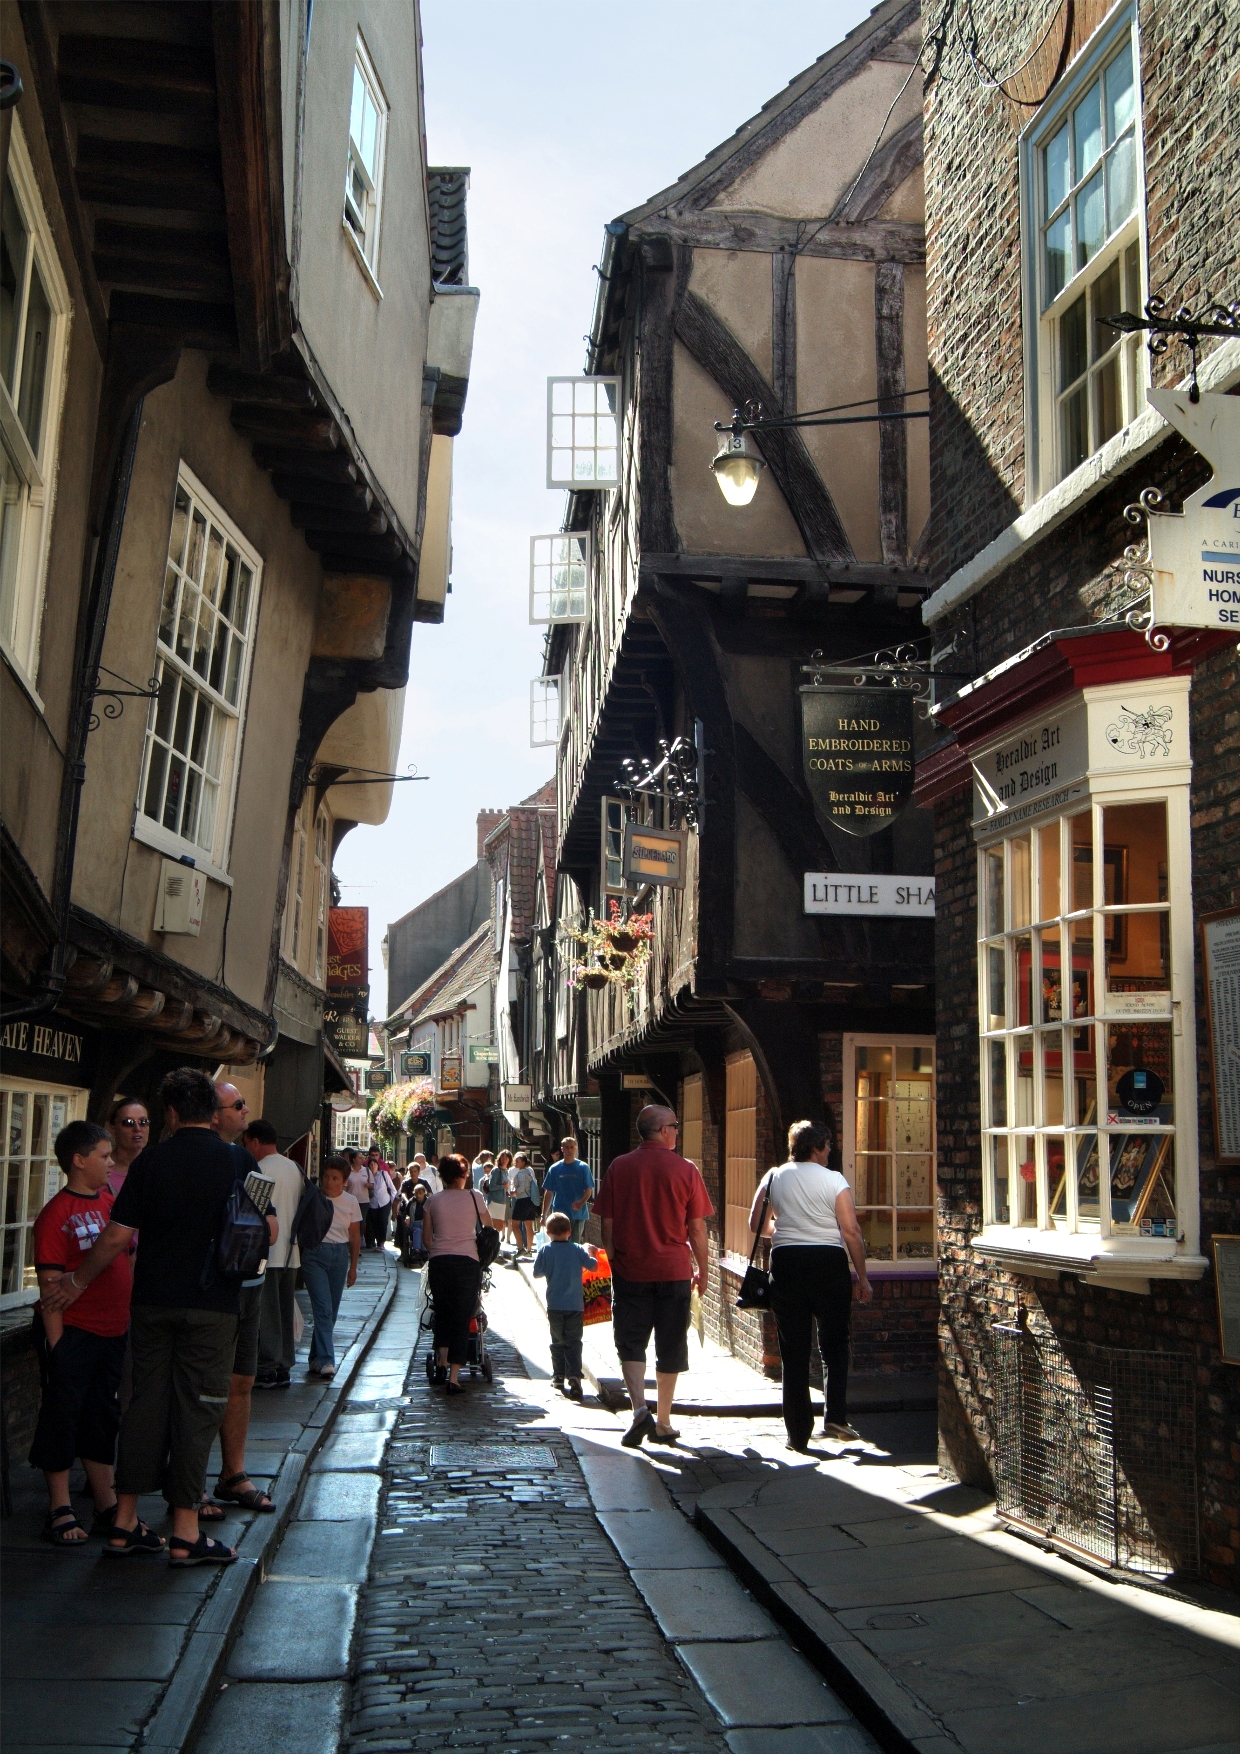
(653, 1206)
(232, 1115)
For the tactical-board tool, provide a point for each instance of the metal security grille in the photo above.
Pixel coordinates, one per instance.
(1097, 1450)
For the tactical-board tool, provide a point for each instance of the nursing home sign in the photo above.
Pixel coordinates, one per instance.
(1195, 554)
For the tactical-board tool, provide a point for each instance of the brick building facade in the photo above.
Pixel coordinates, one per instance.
(1031, 472)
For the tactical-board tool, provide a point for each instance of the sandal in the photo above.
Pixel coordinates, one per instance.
(203, 1551)
(208, 1512)
(125, 1543)
(254, 1499)
(105, 1521)
(59, 1531)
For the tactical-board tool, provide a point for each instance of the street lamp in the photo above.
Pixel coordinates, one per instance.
(735, 467)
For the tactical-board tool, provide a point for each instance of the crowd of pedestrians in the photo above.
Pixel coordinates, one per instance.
(168, 1272)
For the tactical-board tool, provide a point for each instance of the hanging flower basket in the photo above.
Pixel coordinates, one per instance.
(594, 978)
(624, 941)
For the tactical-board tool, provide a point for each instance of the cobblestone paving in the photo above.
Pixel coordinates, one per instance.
(497, 1613)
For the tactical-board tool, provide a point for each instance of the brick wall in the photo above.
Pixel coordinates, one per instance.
(1190, 56)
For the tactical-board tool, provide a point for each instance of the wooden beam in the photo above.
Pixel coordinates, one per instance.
(247, 71)
(135, 74)
(718, 352)
(335, 466)
(138, 173)
(345, 496)
(784, 327)
(891, 165)
(892, 436)
(322, 518)
(192, 322)
(283, 426)
(654, 387)
(271, 389)
(790, 571)
(877, 240)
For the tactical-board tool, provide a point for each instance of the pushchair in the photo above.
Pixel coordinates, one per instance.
(478, 1359)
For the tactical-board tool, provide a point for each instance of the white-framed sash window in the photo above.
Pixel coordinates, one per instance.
(363, 180)
(1084, 256)
(34, 341)
(203, 652)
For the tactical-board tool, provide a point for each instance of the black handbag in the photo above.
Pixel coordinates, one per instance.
(487, 1240)
(755, 1291)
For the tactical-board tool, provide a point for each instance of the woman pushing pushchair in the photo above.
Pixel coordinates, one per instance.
(451, 1222)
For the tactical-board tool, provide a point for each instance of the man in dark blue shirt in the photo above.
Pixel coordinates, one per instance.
(567, 1187)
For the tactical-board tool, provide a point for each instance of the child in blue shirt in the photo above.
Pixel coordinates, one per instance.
(561, 1262)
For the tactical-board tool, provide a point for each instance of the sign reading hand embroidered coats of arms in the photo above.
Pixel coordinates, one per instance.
(857, 755)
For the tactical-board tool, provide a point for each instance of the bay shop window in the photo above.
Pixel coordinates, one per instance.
(1085, 988)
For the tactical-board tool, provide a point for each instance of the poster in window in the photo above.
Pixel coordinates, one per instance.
(1051, 1009)
(1137, 1163)
(1220, 956)
(1114, 894)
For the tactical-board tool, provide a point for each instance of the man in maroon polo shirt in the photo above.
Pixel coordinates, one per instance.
(653, 1205)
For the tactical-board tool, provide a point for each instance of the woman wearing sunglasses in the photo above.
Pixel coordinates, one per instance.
(130, 1127)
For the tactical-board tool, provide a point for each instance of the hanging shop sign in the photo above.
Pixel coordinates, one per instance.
(634, 1081)
(449, 1072)
(415, 1062)
(654, 855)
(50, 1050)
(1195, 554)
(377, 1079)
(348, 929)
(481, 1055)
(517, 1097)
(346, 1013)
(857, 755)
(834, 892)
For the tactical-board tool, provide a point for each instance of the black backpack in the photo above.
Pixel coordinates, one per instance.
(313, 1218)
(242, 1240)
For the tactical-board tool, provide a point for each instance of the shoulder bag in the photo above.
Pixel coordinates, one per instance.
(755, 1291)
(487, 1239)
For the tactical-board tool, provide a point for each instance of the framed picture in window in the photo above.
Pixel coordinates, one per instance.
(1137, 1161)
(1051, 1007)
(1114, 894)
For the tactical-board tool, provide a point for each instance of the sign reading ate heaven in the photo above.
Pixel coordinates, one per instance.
(857, 755)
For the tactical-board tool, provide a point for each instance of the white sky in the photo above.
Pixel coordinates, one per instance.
(567, 114)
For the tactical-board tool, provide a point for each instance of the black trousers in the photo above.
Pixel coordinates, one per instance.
(454, 1289)
(809, 1284)
(376, 1225)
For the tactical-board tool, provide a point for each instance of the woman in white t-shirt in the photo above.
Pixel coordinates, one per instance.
(812, 1223)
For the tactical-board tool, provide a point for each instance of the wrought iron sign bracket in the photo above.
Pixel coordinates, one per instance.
(322, 776)
(116, 697)
(900, 667)
(679, 778)
(1181, 325)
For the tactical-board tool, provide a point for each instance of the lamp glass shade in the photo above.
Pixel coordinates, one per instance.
(737, 471)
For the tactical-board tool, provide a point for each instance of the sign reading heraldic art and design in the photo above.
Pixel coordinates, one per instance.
(1125, 734)
(857, 755)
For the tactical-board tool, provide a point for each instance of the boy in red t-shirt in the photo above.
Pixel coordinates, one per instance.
(85, 1344)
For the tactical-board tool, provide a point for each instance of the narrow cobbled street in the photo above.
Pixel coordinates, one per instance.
(496, 1612)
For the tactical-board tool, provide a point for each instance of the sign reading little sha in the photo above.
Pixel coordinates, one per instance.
(857, 755)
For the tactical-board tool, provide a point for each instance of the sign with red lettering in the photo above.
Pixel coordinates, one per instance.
(348, 930)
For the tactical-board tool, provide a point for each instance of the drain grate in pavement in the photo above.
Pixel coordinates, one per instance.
(485, 1457)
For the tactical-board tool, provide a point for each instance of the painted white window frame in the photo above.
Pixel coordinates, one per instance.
(542, 690)
(560, 578)
(322, 889)
(369, 219)
(890, 1266)
(1042, 340)
(1069, 1242)
(34, 473)
(294, 902)
(28, 1209)
(583, 456)
(214, 861)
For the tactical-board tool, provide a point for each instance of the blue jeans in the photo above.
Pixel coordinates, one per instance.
(325, 1270)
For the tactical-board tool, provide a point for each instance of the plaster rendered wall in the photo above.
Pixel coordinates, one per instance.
(706, 523)
(737, 286)
(370, 348)
(117, 877)
(366, 737)
(31, 770)
(836, 363)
